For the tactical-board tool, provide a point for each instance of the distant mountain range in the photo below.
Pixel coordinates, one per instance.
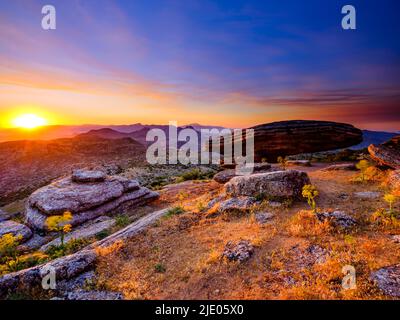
(137, 132)
(374, 137)
(64, 131)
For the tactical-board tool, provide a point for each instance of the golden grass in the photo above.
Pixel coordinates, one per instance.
(190, 245)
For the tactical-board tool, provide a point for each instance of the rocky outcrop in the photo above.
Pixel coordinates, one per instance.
(387, 154)
(88, 176)
(240, 251)
(85, 200)
(367, 195)
(263, 217)
(70, 267)
(337, 219)
(278, 184)
(242, 204)
(64, 268)
(394, 180)
(16, 229)
(287, 138)
(388, 280)
(226, 175)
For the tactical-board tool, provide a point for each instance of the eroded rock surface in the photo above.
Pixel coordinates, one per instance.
(85, 200)
(16, 229)
(88, 176)
(394, 180)
(338, 219)
(287, 138)
(387, 154)
(237, 204)
(388, 280)
(278, 184)
(240, 251)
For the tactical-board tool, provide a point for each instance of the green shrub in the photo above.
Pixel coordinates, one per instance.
(174, 211)
(122, 220)
(70, 247)
(159, 268)
(102, 234)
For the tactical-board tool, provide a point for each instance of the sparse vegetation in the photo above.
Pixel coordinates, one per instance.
(195, 174)
(174, 211)
(282, 162)
(72, 246)
(122, 220)
(310, 192)
(60, 224)
(363, 166)
(390, 199)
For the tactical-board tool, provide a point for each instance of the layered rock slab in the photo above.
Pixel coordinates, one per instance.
(387, 154)
(287, 138)
(85, 200)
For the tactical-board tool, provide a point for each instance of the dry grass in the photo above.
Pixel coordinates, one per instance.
(189, 248)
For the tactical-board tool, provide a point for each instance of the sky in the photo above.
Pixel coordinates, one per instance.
(231, 63)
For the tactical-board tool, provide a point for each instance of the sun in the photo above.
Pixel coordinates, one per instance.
(29, 121)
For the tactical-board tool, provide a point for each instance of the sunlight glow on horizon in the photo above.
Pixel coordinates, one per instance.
(29, 121)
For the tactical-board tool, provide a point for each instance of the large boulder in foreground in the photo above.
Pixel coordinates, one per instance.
(287, 138)
(278, 184)
(85, 200)
(387, 154)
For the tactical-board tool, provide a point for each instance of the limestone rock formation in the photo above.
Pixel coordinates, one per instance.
(337, 219)
(240, 251)
(388, 280)
(278, 184)
(226, 175)
(85, 200)
(237, 204)
(394, 180)
(387, 154)
(287, 138)
(16, 229)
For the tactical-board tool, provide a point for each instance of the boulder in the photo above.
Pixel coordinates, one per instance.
(337, 219)
(387, 154)
(278, 184)
(388, 280)
(94, 295)
(16, 229)
(224, 176)
(67, 195)
(341, 167)
(65, 268)
(287, 138)
(85, 200)
(367, 195)
(88, 176)
(237, 204)
(240, 251)
(263, 217)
